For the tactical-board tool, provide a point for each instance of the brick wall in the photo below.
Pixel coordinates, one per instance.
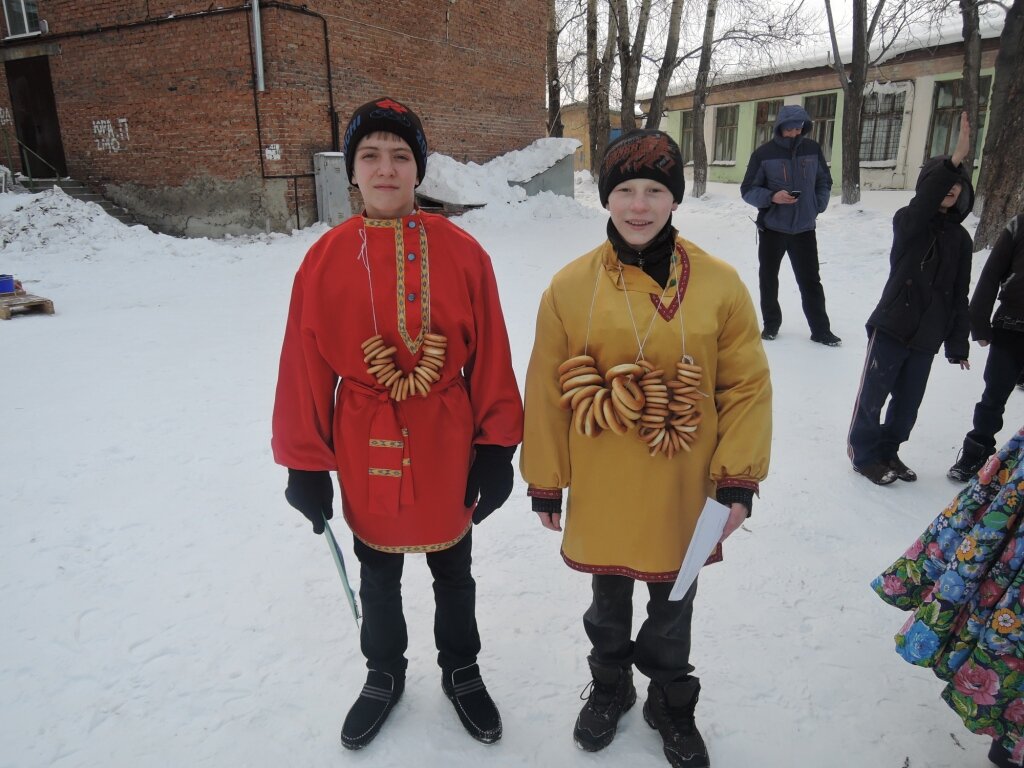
(148, 103)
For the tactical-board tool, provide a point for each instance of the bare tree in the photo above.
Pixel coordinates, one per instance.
(554, 81)
(630, 55)
(700, 98)
(972, 68)
(1000, 185)
(669, 63)
(599, 73)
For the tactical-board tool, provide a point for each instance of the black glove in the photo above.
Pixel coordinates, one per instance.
(311, 493)
(490, 477)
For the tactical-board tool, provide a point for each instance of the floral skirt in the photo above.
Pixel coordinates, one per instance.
(962, 580)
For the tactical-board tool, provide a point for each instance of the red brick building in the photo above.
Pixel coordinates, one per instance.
(158, 104)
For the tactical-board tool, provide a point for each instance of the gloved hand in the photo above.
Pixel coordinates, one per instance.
(311, 492)
(490, 477)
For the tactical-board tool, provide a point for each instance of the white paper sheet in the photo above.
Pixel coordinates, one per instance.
(709, 529)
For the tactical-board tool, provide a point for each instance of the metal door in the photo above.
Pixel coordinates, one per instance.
(35, 116)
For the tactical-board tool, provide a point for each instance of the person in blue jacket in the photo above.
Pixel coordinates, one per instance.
(788, 181)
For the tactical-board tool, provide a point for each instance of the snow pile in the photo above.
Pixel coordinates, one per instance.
(521, 165)
(472, 184)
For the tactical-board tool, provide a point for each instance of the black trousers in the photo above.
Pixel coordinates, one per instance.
(803, 256)
(662, 647)
(897, 372)
(1002, 370)
(383, 637)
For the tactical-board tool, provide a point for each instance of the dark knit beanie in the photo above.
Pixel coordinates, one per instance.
(385, 114)
(642, 154)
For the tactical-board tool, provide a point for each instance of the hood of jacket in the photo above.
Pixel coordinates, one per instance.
(965, 202)
(791, 113)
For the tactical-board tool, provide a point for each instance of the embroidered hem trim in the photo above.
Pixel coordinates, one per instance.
(544, 493)
(735, 482)
(418, 548)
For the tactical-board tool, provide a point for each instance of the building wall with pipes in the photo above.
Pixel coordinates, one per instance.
(158, 108)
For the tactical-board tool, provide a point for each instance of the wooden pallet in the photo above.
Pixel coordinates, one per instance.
(23, 303)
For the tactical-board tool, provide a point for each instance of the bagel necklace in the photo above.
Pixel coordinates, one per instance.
(378, 355)
(635, 395)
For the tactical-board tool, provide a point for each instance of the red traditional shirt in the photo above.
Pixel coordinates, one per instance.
(403, 465)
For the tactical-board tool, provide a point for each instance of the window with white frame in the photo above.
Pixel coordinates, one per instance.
(22, 17)
(726, 123)
(686, 136)
(764, 124)
(822, 110)
(881, 125)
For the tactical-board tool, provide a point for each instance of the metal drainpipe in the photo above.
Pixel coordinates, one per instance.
(257, 36)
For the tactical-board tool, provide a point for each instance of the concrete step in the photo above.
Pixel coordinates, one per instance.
(80, 191)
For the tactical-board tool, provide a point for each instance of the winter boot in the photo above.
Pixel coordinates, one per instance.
(669, 708)
(378, 697)
(972, 458)
(827, 338)
(903, 472)
(472, 703)
(611, 694)
(769, 334)
(878, 473)
(1000, 756)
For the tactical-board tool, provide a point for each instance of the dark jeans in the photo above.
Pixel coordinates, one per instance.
(662, 647)
(383, 637)
(1003, 369)
(803, 256)
(890, 370)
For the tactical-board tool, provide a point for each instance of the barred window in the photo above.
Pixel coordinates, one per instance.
(726, 122)
(882, 121)
(22, 17)
(764, 124)
(822, 110)
(686, 136)
(947, 105)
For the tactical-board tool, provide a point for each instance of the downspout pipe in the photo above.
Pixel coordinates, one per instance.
(257, 36)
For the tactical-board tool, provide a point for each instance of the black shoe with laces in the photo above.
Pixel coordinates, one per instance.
(379, 695)
(878, 473)
(972, 458)
(474, 706)
(768, 335)
(609, 695)
(669, 709)
(903, 472)
(827, 338)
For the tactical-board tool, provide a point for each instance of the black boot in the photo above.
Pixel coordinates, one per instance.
(611, 694)
(473, 704)
(1000, 756)
(903, 472)
(971, 459)
(379, 695)
(669, 708)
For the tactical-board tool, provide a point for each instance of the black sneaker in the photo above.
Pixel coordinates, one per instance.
(903, 472)
(972, 458)
(609, 696)
(769, 335)
(827, 338)
(472, 703)
(379, 695)
(669, 709)
(878, 473)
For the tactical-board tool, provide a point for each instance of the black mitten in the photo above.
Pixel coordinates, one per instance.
(490, 478)
(311, 492)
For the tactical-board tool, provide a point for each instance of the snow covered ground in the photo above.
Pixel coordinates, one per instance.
(162, 605)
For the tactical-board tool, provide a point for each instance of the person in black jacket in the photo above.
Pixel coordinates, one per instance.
(923, 306)
(1003, 275)
(788, 181)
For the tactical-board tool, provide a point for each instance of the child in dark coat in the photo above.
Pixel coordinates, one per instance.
(923, 306)
(1003, 275)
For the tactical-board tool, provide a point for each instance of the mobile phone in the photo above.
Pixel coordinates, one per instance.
(793, 192)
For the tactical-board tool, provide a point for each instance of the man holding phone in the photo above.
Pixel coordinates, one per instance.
(788, 181)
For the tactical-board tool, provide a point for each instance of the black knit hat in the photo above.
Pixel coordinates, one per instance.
(385, 114)
(642, 154)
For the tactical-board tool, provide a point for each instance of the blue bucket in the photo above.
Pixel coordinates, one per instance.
(6, 283)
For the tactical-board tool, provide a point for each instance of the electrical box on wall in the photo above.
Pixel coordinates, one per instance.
(332, 201)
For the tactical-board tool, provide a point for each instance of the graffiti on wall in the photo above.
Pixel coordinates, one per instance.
(5, 116)
(110, 135)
